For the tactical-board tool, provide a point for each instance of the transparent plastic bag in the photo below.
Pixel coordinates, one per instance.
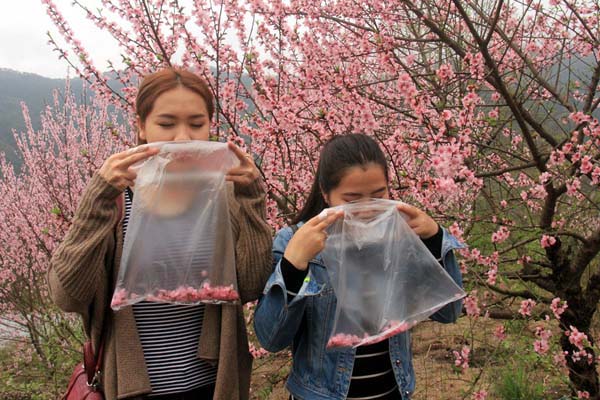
(179, 246)
(384, 277)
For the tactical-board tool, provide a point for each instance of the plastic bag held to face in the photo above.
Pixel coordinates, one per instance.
(384, 277)
(179, 246)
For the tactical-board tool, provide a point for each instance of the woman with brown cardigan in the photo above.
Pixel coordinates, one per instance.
(154, 350)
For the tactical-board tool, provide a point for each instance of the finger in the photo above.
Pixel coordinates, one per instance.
(239, 153)
(314, 220)
(137, 157)
(241, 179)
(130, 175)
(128, 182)
(410, 211)
(123, 183)
(237, 171)
(330, 219)
(132, 150)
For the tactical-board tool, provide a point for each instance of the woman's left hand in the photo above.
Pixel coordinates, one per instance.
(419, 221)
(245, 173)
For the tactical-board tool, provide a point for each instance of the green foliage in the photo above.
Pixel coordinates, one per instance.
(516, 384)
(42, 374)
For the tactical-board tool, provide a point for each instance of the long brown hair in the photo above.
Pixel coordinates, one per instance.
(164, 80)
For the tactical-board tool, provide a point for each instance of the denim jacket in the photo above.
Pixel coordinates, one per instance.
(306, 321)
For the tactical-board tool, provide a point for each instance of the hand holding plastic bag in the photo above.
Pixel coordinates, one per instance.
(384, 277)
(179, 246)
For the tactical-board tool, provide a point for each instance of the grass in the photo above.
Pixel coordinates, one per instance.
(516, 384)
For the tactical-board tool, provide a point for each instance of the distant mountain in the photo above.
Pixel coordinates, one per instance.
(36, 91)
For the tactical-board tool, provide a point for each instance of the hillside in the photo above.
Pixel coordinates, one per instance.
(35, 91)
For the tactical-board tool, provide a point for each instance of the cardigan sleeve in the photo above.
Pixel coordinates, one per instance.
(253, 240)
(77, 268)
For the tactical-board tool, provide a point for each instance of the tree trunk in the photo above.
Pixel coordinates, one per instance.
(583, 374)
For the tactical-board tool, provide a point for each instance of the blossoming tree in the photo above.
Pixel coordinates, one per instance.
(36, 207)
(487, 111)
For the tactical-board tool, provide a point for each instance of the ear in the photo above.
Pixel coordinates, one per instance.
(141, 128)
(325, 197)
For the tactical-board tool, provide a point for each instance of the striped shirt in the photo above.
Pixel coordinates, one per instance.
(169, 334)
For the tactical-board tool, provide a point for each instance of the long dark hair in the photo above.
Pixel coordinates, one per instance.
(338, 155)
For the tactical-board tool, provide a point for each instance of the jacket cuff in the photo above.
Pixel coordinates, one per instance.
(292, 276)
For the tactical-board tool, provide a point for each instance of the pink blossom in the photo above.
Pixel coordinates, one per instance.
(492, 274)
(527, 307)
(445, 72)
(586, 164)
(119, 299)
(579, 117)
(462, 359)
(573, 187)
(577, 339)
(499, 332)
(547, 241)
(500, 235)
(349, 340)
(560, 358)
(583, 395)
(471, 306)
(257, 352)
(343, 340)
(188, 294)
(542, 346)
(558, 307)
(480, 395)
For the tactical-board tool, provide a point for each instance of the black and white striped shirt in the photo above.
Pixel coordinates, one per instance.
(169, 334)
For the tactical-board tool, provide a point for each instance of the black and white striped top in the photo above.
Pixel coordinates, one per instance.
(169, 334)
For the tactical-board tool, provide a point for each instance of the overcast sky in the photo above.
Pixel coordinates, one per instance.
(24, 44)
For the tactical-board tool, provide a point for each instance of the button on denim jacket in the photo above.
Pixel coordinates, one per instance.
(306, 321)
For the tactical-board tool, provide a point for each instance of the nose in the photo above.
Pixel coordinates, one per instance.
(183, 133)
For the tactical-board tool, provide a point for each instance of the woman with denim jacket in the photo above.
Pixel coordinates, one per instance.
(298, 303)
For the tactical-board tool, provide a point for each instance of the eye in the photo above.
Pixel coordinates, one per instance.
(197, 126)
(166, 125)
(350, 198)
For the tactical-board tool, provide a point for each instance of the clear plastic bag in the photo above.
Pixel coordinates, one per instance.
(384, 277)
(179, 246)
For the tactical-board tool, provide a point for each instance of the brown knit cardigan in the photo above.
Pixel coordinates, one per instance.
(85, 266)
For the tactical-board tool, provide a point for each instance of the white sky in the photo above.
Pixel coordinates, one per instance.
(24, 44)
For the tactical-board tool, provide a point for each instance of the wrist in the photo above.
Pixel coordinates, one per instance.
(300, 263)
(432, 232)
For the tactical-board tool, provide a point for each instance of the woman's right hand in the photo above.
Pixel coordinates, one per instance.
(309, 240)
(116, 169)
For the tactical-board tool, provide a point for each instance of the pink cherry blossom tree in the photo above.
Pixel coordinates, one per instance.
(487, 110)
(37, 204)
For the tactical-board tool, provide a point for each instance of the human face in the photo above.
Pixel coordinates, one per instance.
(177, 114)
(359, 183)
